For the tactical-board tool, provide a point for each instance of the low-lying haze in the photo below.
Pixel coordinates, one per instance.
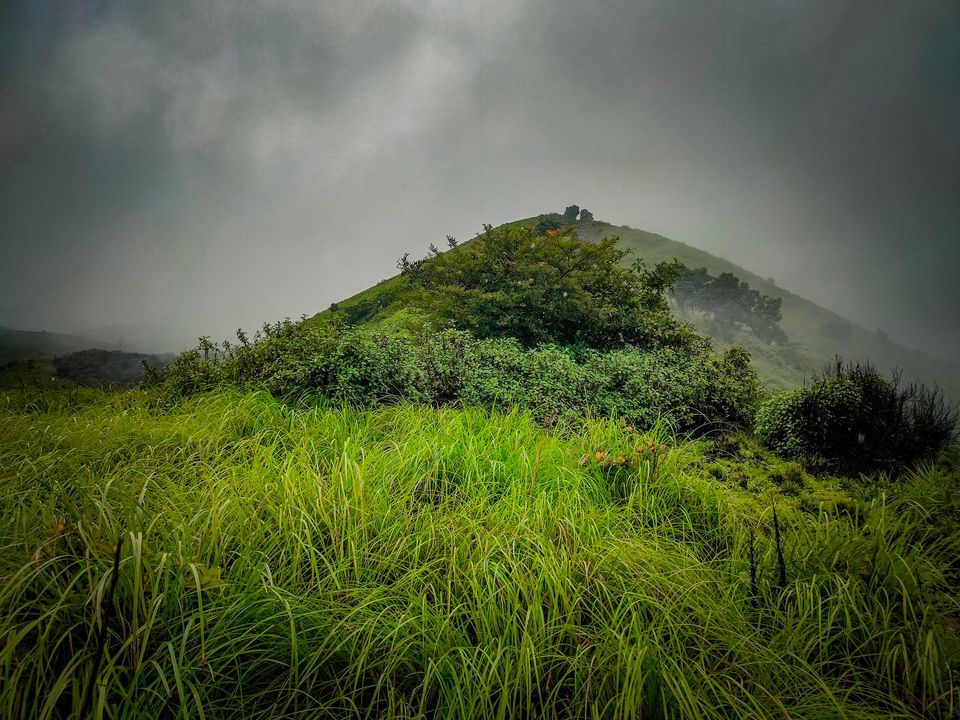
(175, 169)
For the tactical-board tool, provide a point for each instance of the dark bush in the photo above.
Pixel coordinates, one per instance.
(549, 222)
(854, 419)
(106, 368)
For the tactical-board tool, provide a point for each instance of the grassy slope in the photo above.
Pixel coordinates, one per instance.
(809, 350)
(803, 321)
(402, 562)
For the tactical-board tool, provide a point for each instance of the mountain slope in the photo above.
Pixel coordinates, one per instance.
(816, 335)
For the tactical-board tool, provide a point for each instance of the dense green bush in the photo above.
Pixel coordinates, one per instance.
(696, 389)
(367, 368)
(512, 283)
(853, 419)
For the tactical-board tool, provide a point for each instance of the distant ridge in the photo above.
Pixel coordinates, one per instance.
(30, 344)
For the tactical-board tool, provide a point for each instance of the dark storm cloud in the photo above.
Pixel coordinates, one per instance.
(187, 168)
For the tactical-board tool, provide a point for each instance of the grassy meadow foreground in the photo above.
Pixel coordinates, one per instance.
(305, 559)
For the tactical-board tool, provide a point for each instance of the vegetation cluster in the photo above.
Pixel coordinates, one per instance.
(555, 289)
(728, 303)
(105, 368)
(451, 368)
(853, 419)
(550, 324)
(562, 327)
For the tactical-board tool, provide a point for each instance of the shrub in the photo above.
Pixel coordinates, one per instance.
(854, 419)
(285, 357)
(190, 373)
(696, 389)
(550, 221)
(373, 368)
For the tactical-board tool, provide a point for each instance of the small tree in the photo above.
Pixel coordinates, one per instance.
(570, 214)
(451, 242)
(548, 223)
(586, 215)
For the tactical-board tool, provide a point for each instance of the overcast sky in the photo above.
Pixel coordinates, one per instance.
(172, 169)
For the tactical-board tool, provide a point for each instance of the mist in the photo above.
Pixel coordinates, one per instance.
(175, 170)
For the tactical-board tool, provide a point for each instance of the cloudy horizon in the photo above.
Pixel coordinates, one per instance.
(176, 170)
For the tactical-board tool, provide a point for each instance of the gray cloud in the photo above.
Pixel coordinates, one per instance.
(191, 168)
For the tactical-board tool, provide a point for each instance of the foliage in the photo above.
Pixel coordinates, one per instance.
(782, 366)
(586, 215)
(697, 390)
(700, 390)
(551, 222)
(555, 289)
(728, 302)
(366, 368)
(310, 561)
(854, 419)
(570, 213)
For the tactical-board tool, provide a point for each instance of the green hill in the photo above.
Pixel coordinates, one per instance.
(324, 521)
(815, 335)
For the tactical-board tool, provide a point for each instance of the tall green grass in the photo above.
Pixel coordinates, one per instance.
(298, 562)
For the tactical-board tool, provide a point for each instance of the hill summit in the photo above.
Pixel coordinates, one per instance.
(809, 337)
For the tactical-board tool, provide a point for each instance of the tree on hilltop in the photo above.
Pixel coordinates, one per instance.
(555, 289)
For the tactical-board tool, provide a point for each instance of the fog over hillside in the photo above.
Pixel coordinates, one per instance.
(170, 170)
